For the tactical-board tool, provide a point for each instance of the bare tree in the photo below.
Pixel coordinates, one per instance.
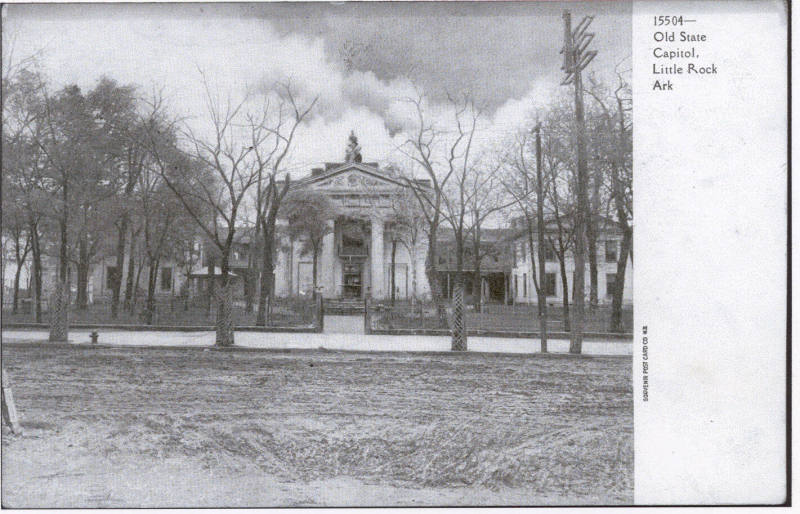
(456, 201)
(211, 183)
(165, 224)
(558, 189)
(528, 190)
(487, 197)
(615, 149)
(24, 164)
(272, 133)
(421, 146)
(444, 155)
(14, 232)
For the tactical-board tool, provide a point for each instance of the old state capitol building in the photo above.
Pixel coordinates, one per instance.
(355, 258)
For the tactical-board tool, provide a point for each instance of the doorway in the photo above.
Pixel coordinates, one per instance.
(352, 280)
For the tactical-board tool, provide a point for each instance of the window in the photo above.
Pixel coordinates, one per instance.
(550, 284)
(110, 272)
(549, 254)
(611, 251)
(516, 285)
(166, 279)
(611, 283)
(525, 285)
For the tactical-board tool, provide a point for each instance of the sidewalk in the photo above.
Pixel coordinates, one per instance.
(330, 341)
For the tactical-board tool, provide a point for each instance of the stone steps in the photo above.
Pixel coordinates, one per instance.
(339, 306)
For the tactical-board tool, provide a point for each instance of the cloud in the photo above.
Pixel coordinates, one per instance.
(361, 61)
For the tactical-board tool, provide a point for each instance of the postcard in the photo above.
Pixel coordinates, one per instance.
(382, 254)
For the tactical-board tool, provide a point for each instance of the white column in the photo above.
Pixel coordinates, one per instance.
(376, 258)
(327, 262)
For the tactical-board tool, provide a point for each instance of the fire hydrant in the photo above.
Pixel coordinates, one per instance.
(94, 336)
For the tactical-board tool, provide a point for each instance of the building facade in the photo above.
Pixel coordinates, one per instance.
(609, 238)
(356, 256)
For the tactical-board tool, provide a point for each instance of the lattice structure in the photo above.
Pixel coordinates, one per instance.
(59, 313)
(224, 323)
(459, 322)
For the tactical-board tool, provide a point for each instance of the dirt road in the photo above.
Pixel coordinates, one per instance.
(135, 427)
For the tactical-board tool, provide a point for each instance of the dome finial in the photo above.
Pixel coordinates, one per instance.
(353, 152)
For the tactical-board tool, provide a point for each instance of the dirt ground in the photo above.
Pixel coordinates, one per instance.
(193, 427)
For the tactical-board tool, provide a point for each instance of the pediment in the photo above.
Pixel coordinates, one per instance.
(354, 176)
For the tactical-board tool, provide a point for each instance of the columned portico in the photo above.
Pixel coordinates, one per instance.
(354, 257)
(376, 258)
(328, 278)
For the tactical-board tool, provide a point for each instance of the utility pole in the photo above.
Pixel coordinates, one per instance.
(576, 58)
(540, 240)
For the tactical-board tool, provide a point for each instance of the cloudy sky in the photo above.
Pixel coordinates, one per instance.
(362, 59)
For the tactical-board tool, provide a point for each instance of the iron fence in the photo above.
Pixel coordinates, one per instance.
(174, 311)
(490, 317)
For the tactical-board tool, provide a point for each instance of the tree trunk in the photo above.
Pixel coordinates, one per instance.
(251, 276)
(83, 273)
(16, 288)
(565, 287)
(249, 290)
(542, 293)
(414, 276)
(20, 258)
(477, 290)
(59, 310)
(210, 285)
(314, 260)
(433, 276)
(224, 323)
(252, 287)
(592, 246)
(36, 271)
(129, 285)
(150, 304)
(267, 266)
(116, 277)
(532, 257)
(619, 287)
(627, 233)
(135, 299)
